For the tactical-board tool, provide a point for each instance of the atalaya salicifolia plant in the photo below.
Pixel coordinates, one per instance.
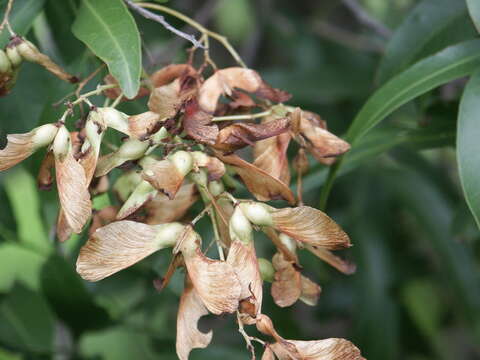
(188, 146)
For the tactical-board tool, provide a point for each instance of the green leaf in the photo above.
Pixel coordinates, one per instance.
(23, 195)
(68, 297)
(21, 18)
(108, 29)
(18, 264)
(468, 149)
(26, 322)
(116, 344)
(426, 23)
(447, 65)
(474, 10)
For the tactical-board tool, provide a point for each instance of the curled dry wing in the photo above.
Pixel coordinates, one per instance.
(270, 155)
(143, 125)
(215, 281)
(287, 285)
(114, 247)
(198, 124)
(171, 72)
(166, 100)
(262, 185)
(238, 135)
(190, 310)
(328, 349)
(73, 191)
(226, 80)
(45, 173)
(311, 226)
(244, 261)
(333, 260)
(310, 291)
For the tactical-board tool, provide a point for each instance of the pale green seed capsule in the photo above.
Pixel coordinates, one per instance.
(216, 187)
(114, 119)
(267, 270)
(28, 51)
(200, 178)
(14, 56)
(44, 135)
(5, 64)
(168, 234)
(257, 213)
(61, 143)
(183, 161)
(132, 149)
(239, 227)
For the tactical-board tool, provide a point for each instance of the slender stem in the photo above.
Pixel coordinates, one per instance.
(248, 338)
(222, 39)
(6, 21)
(327, 187)
(160, 19)
(85, 81)
(117, 100)
(213, 218)
(243, 117)
(97, 91)
(201, 214)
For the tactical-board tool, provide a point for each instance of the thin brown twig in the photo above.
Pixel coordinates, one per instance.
(85, 81)
(160, 19)
(6, 20)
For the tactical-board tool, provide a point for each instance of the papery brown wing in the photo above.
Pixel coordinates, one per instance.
(73, 192)
(164, 176)
(270, 155)
(166, 100)
(328, 349)
(198, 124)
(310, 291)
(171, 72)
(45, 173)
(215, 281)
(236, 136)
(310, 226)
(19, 147)
(144, 125)
(333, 260)
(287, 285)
(161, 209)
(243, 259)
(102, 217)
(114, 247)
(262, 185)
(190, 310)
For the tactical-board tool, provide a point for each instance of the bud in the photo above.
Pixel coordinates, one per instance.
(14, 56)
(114, 119)
(5, 64)
(257, 213)
(266, 269)
(239, 226)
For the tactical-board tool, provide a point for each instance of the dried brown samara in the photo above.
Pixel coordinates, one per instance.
(203, 131)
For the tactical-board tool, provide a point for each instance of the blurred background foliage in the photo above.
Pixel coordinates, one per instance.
(416, 293)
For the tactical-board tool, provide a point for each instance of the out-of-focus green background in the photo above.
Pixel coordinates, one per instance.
(416, 293)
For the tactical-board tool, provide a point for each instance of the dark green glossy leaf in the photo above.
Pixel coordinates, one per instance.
(474, 10)
(26, 322)
(449, 64)
(429, 21)
(108, 29)
(468, 145)
(21, 18)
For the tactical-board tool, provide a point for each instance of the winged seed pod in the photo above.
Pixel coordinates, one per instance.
(121, 244)
(30, 52)
(21, 146)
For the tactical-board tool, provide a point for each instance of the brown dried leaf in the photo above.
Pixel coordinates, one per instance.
(166, 100)
(143, 125)
(161, 209)
(114, 247)
(164, 176)
(287, 284)
(198, 124)
(270, 155)
(333, 260)
(190, 310)
(224, 81)
(243, 259)
(262, 185)
(239, 135)
(215, 281)
(73, 192)
(309, 225)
